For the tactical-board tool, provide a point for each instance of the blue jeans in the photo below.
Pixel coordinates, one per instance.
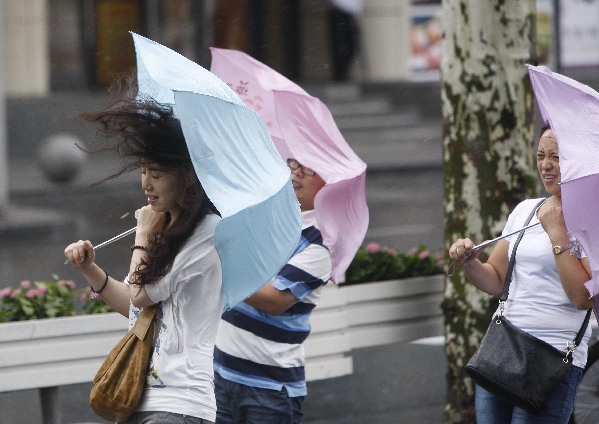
(240, 404)
(158, 417)
(557, 410)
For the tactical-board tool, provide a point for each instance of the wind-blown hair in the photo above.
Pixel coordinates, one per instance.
(146, 131)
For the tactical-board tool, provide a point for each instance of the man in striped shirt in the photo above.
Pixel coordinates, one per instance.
(259, 355)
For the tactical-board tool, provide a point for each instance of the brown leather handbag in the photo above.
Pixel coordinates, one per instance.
(120, 381)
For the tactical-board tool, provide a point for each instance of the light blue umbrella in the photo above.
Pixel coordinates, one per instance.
(236, 162)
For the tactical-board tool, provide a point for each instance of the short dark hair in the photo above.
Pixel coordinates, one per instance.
(544, 128)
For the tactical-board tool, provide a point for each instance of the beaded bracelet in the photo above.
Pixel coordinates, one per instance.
(138, 246)
(103, 285)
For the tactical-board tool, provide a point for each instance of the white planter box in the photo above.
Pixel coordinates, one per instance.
(371, 314)
(61, 351)
(57, 351)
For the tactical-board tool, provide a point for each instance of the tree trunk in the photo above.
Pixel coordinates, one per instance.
(488, 145)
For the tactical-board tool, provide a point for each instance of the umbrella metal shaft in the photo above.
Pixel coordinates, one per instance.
(488, 242)
(112, 240)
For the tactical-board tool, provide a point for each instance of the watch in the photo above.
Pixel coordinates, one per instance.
(557, 249)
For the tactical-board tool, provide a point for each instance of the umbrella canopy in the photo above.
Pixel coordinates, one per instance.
(303, 128)
(572, 111)
(236, 162)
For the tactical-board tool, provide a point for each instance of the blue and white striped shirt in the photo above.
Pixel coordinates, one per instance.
(261, 350)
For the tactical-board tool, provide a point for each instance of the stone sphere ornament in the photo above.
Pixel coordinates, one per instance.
(60, 158)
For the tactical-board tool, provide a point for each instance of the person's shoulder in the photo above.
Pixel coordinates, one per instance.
(527, 205)
(205, 229)
(210, 221)
(312, 235)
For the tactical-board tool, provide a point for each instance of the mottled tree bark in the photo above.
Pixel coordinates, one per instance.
(488, 147)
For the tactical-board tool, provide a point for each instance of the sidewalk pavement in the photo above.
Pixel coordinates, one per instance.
(392, 384)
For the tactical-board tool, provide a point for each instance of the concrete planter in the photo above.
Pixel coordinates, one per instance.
(57, 351)
(371, 314)
(48, 353)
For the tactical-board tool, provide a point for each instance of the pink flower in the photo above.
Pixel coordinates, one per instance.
(424, 254)
(83, 297)
(69, 283)
(413, 250)
(31, 293)
(373, 248)
(25, 284)
(5, 292)
(41, 290)
(440, 263)
(14, 294)
(390, 251)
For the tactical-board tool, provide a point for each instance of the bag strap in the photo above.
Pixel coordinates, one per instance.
(508, 281)
(143, 322)
(583, 328)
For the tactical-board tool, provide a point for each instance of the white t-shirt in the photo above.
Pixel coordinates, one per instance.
(181, 378)
(537, 302)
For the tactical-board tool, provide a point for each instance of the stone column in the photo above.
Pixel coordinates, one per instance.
(386, 39)
(26, 51)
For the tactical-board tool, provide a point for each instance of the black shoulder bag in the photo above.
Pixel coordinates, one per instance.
(514, 365)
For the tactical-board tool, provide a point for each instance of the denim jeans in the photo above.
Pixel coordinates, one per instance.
(240, 404)
(557, 410)
(158, 417)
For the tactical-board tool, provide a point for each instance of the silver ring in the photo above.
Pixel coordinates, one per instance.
(457, 251)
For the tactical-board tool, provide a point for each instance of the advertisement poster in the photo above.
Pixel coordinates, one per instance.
(426, 31)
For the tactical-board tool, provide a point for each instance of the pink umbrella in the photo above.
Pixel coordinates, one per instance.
(303, 128)
(572, 111)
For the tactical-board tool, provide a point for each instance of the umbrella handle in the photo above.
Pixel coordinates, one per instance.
(112, 240)
(117, 237)
(451, 267)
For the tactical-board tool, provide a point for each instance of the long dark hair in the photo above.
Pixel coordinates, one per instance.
(144, 130)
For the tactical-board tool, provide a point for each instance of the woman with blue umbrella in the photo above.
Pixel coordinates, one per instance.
(174, 263)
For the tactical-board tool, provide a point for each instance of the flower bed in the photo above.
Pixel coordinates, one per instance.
(374, 262)
(47, 299)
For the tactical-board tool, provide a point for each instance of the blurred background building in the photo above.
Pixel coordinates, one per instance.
(53, 45)
(56, 54)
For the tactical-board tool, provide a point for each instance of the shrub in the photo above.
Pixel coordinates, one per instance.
(46, 299)
(374, 262)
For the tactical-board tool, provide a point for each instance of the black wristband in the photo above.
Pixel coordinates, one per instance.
(138, 246)
(103, 285)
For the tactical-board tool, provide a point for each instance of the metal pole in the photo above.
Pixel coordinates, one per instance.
(50, 400)
(3, 140)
